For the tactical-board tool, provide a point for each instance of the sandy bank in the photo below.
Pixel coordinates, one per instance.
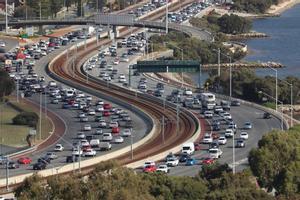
(278, 9)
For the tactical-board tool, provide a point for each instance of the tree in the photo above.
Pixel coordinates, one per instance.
(233, 24)
(7, 85)
(55, 6)
(276, 161)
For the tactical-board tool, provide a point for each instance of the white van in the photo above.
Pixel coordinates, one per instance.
(188, 148)
(107, 137)
(105, 146)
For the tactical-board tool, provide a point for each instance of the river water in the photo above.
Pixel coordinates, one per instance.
(282, 46)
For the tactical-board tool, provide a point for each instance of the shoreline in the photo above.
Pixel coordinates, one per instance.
(280, 8)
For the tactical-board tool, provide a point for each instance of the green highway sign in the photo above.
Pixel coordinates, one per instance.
(172, 66)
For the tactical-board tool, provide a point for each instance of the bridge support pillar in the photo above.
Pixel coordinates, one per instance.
(116, 32)
(41, 30)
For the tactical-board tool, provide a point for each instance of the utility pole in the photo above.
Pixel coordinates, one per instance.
(6, 17)
(40, 10)
(7, 174)
(219, 62)
(177, 119)
(40, 124)
(167, 28)
(163, 129)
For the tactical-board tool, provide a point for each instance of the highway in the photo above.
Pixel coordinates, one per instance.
(240, 115)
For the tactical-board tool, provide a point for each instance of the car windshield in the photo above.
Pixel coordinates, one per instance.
(213, 151)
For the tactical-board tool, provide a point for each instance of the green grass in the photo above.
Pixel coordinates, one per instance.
(15, 135)
(10, 134)
(271, 105)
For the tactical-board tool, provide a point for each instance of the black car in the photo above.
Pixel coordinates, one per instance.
(216, 127)
(114, 54)
(184, 157)
(44, 159)
(214, 145)
(39, 166)
(267, 115)
(240, 143)
(71, 159)
(235, 103)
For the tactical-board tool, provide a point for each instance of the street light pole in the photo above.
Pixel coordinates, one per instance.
(233, 154)
(230, 78)
(163, 129)
(6, 18)
(219, 62)
(291, 101)
(276, 86)
(167, 17)
(131, 141)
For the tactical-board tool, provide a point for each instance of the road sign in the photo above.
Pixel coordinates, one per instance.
(174, 66)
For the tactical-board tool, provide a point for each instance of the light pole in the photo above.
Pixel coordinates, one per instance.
(276, 86)
(6, 18)
(131, 143)
(291, 100)
(261, 92)
(167, 19)
(219, 60)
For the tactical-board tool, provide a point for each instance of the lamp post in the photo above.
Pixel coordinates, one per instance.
(276, 86)
(219, 60)
(291, 100)
(167, 20)
(6, 18)
(261, 92)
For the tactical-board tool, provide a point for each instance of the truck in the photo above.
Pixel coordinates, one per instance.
(105, 146)
(208, 100)
(188, 148)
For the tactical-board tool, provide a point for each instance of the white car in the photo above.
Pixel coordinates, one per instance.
(99, 102)
(215, 153)
(107, 78)
(222, 140)
(116, 61)
(80, 95)
(147, 163)
(92, 112)
(163, 168)
(207, 138)
(52, 84)
(208, 114)
(122, 80)
(99, 108)
(244, 135)
(81, 115)
(87, 127)
(107, 137)
(2, 44)
(109, 68)
(229, 133)
(51, 155)
(172, 161)
(84, 143)
(119, 139)
(89, 152)
(80, 135)
(126, 132)
(227, 116)
(102, 123)
(77, 152)
(58, 147)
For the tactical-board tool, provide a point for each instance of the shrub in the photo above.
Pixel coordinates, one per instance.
(26, 118)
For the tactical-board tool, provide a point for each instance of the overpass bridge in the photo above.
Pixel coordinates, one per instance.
(116, 20)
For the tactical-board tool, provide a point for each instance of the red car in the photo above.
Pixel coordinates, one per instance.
(107, 106)
(115, 130)
(149, 168)
(197, 147)
(24, 160)
(106, 113)
(85, 148)
(208, 161)
(71, 101)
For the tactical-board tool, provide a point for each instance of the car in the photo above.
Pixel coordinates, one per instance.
(208, 114)
(89, 152)
(80, 135)
(58, 147)
(244, 135)
(39, 166)
(222, 140)
(227, 116)
(71, 159)
(107, 137)
(214, 144)
(229, 133)
(163, 169)
(197, 146)
(115, 130)
(77, 152)
(106, 113)
(149, 168)
(149, 163)
(235, 103)
(240, 143)
(215, 135)
(208, 161)
(13, 165)
(84, 143)
(172, 161)
(91, 112)
(87, 127)
(84, 119)
(54, 101)
(118, 139)
(247, 125)
(215, 153)
(183, 157)
(102, 123)
(216, 127)
(3, 160)
(24, 160)
(190, 162)
(267, 115)
(98, 132)
(207, 139)
(126, 132)
(51, 155)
